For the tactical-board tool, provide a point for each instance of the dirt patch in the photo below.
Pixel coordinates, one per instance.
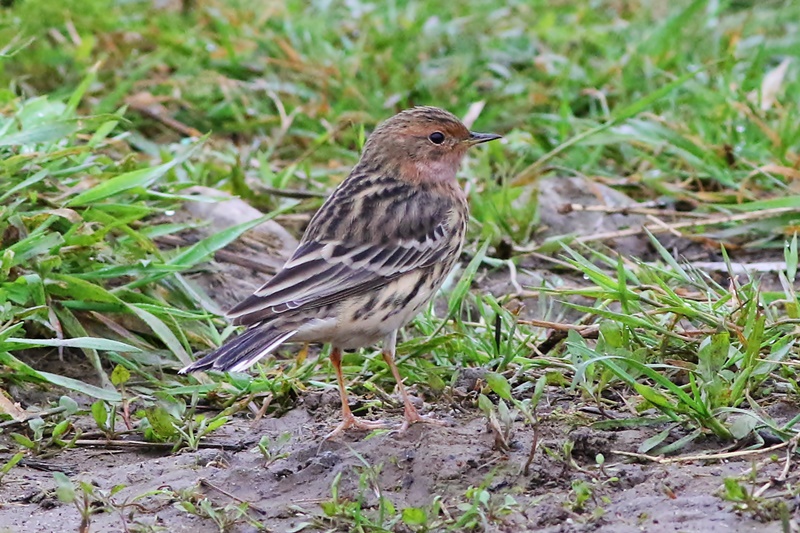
(413, 469)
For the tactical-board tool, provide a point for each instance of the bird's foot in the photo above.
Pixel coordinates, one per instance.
(357, 423)
(412, 416)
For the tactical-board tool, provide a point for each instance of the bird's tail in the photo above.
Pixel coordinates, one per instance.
(244, 350)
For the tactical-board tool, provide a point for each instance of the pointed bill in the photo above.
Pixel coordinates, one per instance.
(478, 138)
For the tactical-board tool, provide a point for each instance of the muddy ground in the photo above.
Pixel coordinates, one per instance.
(412, 468)
(425, 464)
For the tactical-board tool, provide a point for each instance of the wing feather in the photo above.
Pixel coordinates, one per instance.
(341, 255)
(326, 273)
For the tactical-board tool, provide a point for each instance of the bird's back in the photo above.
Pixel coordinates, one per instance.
(410, 228)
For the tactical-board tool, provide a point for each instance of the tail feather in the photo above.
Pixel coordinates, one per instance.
(242, 351)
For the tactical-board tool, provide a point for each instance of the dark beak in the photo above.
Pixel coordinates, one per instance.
(478, 138)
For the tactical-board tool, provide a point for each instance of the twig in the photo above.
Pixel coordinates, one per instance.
(667, 228)
(558, 326)
(764, 488)
(660, 223)
(785, 363)
(206, 483)
(532, 453)
(559, 333)
(741, 217)
(45, 466)
(707, 457)
(555, 261)
(116, 443)
(631, 210)
(91, 435)
(31, 416)
(293, 218)
(473, 113)
(150, 107)
(785, 472)
(512, 276)
(597, 411)
(263, 410)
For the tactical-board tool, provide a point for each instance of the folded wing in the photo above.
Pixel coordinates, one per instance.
(323, 273)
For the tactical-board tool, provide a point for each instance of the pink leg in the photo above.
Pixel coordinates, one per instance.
(348, 419)
(410, 414)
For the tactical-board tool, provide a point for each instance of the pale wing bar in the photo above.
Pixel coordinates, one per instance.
(320, 274)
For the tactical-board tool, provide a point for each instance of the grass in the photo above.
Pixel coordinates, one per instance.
(689, 107)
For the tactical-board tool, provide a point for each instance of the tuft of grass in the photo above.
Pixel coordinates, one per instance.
(370, 508)
(698, 352)
(78, 256)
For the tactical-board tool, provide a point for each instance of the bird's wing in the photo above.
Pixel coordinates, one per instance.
(321, 273)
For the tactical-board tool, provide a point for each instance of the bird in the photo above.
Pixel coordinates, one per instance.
(371, 258)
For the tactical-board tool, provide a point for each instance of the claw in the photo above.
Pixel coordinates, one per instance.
(414, 417)
(357, 423)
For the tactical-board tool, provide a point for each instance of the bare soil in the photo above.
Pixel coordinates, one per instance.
(425, 462)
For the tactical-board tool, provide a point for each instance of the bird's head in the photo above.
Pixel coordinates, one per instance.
(422, 144)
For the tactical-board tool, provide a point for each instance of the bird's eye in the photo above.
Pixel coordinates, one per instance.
(437, 137)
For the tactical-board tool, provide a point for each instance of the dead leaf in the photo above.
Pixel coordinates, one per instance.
(780, 170)
(150, 105)
(771, 86)
(12, 409)
(473, 113)
(69, 214)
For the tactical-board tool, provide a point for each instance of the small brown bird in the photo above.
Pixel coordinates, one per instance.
(372, 257)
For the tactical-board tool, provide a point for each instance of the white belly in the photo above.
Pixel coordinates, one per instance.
(367, 319)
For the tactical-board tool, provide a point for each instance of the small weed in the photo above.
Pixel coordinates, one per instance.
(581, 494)
(501, 419)
(728, 340)
(584, 491)
(358, 513)
(44, 435)
(172, 421)
(481, 509)
(746, 501)
(272, 451)
(225, 517)
(105, 416)
(8, 465)
(67, 493)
